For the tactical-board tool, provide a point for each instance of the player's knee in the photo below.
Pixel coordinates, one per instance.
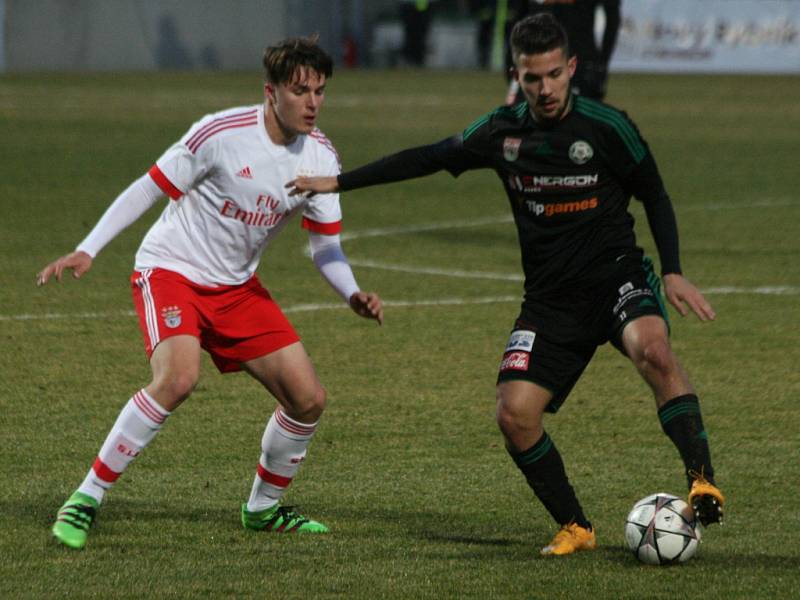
(657, 356)
(174, 388)
(506, 420)
(320, 400)
(309, 405)
(507, 416)
(183, 385)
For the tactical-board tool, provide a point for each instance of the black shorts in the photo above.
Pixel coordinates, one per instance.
(553, 341)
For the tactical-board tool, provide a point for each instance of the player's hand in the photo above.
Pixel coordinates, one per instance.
(78, 262)
(681, 292)
(313, 185)
(367, 305)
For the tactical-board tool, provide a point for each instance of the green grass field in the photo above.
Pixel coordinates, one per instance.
(408, 467)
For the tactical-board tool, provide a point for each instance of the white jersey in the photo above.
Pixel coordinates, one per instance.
(226, 180)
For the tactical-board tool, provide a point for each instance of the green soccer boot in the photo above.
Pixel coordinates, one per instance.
(74, 519)
(280, 519)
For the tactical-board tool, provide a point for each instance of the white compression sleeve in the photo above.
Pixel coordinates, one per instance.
(129, 206)
(326, 252)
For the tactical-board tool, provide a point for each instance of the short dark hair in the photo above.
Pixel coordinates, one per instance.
(282, 60)
(537, 34)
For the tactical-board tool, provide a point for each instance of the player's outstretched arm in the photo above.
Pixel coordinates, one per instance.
(78, 262)
(367, 305)
(448, 154)
(315, 185)
(128, 206)
(681, 292)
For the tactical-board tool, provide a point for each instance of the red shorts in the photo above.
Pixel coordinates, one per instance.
(234, 323)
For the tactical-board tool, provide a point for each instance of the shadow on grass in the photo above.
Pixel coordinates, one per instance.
(732, 562)
(470, 540)
(172, 510)
(427, 525)
(42, 511)
(435, 527)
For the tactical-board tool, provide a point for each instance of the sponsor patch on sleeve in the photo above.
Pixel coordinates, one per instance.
(625, 288)
(515, 361)
(521, 340)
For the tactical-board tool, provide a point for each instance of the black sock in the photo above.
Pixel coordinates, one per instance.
(544, 470)
(682, 422)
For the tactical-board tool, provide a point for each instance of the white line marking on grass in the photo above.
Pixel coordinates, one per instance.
(773, 203)
(501, 219)
(435, 271)
(436, 226)
(764, 290)
(76, 316)
(297, 308)
(780, 290)
(409, 303)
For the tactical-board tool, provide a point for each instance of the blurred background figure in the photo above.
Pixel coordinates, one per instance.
(484, 13)
(581, 19)
(171, 52)
(416, 18)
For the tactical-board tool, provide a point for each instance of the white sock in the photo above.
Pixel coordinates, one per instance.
(137, 424)
(283, 449)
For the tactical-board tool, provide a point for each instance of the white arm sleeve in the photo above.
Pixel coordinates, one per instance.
(129, 206)
(326, 252)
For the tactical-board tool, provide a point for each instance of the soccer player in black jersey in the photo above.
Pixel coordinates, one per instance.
(569, 166)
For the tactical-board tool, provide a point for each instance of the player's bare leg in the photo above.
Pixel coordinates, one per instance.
(176, 369)
(646, 343)
(289, 376)
(520, 410)
(176, 365)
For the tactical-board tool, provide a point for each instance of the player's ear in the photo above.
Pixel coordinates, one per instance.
(269, 92)
(572, 64)
(513, 73)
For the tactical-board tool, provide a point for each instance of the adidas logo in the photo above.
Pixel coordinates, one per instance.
(245, 173)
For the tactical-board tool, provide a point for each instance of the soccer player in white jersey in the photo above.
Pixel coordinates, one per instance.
(194, 282)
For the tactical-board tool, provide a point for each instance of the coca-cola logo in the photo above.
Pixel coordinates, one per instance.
(516, 361)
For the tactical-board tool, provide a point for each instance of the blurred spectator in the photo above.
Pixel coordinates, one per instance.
(484, 11)
(170, 51)
(578, 17)
(416, 18)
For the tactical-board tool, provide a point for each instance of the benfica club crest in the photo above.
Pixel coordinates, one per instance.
(171, 316)
(511, 148)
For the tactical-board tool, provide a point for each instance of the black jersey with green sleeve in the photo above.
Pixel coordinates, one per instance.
(569, 184)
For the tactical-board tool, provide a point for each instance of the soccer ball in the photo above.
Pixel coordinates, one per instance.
(661, 529)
